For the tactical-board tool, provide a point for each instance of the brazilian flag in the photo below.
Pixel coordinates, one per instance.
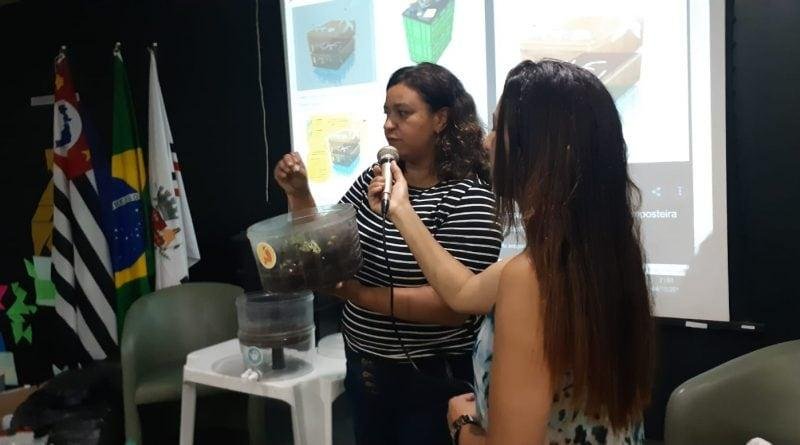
(130, 240)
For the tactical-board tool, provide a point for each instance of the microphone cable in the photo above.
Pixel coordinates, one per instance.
(391, 293)
(449, 378)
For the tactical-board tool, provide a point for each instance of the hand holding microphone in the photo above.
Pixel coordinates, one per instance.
(386, 156)
(388, 190)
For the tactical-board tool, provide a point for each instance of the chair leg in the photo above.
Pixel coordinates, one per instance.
(188, 407)
(133, 427)
(306, 410)
(329, 391)
(327, 423)
(330, 388)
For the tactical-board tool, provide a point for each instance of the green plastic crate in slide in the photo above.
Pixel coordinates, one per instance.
(429, 28)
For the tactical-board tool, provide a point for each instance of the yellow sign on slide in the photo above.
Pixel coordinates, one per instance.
(319, 160)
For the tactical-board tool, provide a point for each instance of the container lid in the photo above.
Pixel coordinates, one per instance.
(306, 220)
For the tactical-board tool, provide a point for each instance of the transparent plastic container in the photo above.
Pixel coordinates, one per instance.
(276, 331)
(308, 249)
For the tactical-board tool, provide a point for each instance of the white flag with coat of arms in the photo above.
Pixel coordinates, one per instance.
(175, 243)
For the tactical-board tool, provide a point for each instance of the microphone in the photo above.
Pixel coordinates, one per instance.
(386, 155)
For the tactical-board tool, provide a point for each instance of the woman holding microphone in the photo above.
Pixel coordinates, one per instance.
(401, 373)
(565, 354)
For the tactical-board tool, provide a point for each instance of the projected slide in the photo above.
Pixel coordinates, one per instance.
(340, 54)
(662, 62)
(641, 51)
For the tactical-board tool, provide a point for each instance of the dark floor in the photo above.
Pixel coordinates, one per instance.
(160, 423)
(161, 426)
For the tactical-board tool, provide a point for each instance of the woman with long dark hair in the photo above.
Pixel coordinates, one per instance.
(401, 373)
(566, 352)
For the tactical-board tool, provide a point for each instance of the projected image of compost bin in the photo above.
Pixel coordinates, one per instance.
(332, 43)
(429, 28)
(345, 146)
(606, 46)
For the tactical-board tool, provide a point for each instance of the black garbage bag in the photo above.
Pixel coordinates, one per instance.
(80, 406)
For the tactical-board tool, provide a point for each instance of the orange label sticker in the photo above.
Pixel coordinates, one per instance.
(266, 255)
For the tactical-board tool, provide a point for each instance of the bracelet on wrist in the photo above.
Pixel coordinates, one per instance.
(458, 424)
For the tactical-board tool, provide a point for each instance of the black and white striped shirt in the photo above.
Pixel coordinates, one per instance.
(460, 215)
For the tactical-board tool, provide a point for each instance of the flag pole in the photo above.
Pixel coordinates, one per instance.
(62, 53)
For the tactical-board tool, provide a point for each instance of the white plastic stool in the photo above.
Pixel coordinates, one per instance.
(332, 346)
(310, 396)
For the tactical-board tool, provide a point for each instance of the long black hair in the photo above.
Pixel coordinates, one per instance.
(561, 162)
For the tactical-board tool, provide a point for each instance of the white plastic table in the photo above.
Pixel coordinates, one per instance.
(310, 396)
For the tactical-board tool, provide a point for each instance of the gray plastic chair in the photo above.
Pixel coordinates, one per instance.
(755, 395)
(160, 329)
